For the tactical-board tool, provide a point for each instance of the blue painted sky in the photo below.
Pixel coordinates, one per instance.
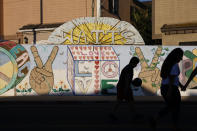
(3, 58)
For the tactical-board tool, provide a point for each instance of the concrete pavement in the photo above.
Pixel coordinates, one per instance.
(87, 115)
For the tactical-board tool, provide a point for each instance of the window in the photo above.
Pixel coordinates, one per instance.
(113, 6)
(191, 43)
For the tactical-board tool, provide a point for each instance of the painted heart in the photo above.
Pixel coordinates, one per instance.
(96, 48)
(80, 57)
(107, 57)
(101, 48)
(73, 52)
(89, 47)
(97, 76)
(96, 72)
(112, 53)
(96, 86)
(91, 57)
(109, 48)
(78, 53)
(105, 47)
(102, 53)
(103, 57)
(80, 47)
(96, 62)
(96, 67)
(111, 57)
(84, 57)
(115, 58)
(96, 81)
(72, 47)
(76, 47)
(75, 57)
(84, 47)
(96, 57)
(88, 57)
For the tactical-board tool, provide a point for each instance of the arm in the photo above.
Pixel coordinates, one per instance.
(190, 78)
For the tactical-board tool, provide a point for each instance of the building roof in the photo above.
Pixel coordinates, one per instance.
(40, 26)
(183, 28)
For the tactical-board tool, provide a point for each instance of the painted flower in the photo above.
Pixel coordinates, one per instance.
(65, 86)
(20, 87)
(25, 83)
(61, 82)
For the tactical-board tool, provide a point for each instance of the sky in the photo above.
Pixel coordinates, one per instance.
(145, 0)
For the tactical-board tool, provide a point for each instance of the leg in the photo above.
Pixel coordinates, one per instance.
(117, 105)
(135, 116)
(132, 108)
(115, 109)
(164, 111)
(176, 109)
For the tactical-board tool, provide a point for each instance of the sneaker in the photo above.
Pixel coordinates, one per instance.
(153, 124)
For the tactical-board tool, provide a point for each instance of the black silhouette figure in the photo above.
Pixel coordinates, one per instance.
(124, 91)
(169, 88)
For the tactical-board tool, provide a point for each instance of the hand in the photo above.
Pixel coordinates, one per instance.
(41, 77)
(149, 74)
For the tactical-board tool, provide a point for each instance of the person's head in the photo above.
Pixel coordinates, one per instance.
(137, 82)
(134, 61)
(174, 57)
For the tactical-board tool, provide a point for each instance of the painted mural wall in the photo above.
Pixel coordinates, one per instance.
(85, 69)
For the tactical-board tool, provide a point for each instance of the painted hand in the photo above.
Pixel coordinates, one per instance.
(149, 74)
(41, 77)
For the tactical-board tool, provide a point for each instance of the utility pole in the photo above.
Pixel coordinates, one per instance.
(98, 8)
(41, 11)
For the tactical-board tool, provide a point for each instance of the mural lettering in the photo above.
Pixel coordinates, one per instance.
(91, 30)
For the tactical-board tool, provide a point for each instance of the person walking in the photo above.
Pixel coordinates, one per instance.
(169, 88)
(124, 91)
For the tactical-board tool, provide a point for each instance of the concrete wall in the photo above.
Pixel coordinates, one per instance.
(57, 70)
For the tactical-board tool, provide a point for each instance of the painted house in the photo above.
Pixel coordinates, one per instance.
(91, 67)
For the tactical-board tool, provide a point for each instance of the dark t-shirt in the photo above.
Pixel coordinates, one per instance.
(123, 87)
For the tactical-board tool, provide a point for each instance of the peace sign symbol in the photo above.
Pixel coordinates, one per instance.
(150, 74)
(41, 77)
